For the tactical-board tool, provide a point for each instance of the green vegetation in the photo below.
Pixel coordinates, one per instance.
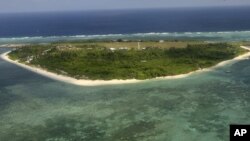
(130, 44)
(125, 60)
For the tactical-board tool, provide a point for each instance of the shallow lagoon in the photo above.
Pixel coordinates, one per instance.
(196, 108)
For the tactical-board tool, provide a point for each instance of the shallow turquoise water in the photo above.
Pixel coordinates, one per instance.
(197, 108)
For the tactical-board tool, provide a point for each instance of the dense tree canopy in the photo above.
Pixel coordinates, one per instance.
(97, 62)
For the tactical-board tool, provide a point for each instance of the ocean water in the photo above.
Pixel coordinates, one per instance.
(196, 108)
(231, 23)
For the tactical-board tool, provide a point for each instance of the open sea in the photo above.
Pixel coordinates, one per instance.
(231, 23)
(196, 108)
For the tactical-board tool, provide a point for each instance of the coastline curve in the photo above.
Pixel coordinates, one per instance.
(83, 82)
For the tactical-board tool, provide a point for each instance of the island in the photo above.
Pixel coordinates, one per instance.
(123, 60)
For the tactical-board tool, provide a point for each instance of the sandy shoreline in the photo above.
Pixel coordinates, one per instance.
(82, 82)
(12, 45)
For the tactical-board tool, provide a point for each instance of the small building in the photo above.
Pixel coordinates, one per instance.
(123, 48)
(112, 49)
(161, 41)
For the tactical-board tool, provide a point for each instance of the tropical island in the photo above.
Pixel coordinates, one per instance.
(124, 60)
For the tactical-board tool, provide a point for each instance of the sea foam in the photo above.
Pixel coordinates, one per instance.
(209, 36)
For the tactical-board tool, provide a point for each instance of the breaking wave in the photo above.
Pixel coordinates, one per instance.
(210, 36)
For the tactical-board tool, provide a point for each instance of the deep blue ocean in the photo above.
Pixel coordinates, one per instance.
(124, 22)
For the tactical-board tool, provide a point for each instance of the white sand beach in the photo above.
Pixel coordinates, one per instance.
(12, 45)
(83, 82)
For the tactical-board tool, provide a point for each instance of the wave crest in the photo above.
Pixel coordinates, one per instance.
(224, 36)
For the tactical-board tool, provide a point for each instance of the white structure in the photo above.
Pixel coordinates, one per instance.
(139, 46)
(112, 49)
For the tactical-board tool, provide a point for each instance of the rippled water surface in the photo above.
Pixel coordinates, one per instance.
(197, 108)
